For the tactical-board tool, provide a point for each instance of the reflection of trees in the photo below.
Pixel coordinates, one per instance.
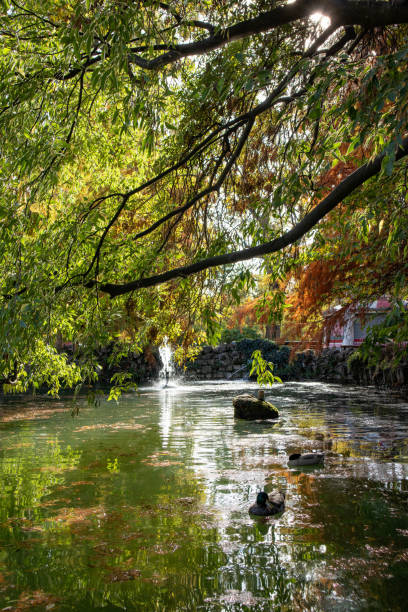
(30, 474)
(90, 554)
(138, 536)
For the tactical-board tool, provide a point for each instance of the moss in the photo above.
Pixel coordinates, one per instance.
(250, 408)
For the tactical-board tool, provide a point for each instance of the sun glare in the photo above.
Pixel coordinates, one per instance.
(317, 17)
(321, 19)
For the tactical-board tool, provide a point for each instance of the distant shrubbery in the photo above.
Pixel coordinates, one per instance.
(270, 351)
(237, 334)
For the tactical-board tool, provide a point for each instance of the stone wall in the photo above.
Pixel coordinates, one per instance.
(233, 361)
(334, 365)
(220, 362)
(144, 366)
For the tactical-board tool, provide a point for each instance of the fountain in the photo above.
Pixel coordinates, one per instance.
(166, 358)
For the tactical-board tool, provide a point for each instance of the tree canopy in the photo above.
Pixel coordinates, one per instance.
(152, 150)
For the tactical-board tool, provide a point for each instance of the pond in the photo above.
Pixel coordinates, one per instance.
(144, 505)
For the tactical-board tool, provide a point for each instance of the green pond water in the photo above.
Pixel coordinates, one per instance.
(144, 505)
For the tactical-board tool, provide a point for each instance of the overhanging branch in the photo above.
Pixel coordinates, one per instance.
(246, 120)
(343, 190)
(343, 12)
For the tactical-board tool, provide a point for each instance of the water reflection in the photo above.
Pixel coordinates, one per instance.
(165, 418)
(144, 506)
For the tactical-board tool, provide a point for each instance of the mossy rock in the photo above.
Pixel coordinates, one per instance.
(250, 408)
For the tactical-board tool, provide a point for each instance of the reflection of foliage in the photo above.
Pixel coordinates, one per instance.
(145, 538)
(26, 479)
(30, 601)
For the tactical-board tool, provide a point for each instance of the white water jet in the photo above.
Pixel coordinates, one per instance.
(166, 356)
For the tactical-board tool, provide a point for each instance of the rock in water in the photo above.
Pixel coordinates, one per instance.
(250, 408)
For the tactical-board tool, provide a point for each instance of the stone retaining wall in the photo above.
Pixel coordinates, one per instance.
(233, 361)
(334, 365)
(144, 366)
(218, 362)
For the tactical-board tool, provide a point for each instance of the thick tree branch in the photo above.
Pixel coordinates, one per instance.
(342, 191)
(342, 12)
(247, 119)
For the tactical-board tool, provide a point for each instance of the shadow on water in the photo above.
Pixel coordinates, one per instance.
(144, 505)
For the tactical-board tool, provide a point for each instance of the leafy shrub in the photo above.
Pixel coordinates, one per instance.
(237, 334)
(263, 370)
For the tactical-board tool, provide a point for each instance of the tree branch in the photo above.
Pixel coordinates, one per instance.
(343, 190)
(343, 12)
(35, 15)
(247, 119)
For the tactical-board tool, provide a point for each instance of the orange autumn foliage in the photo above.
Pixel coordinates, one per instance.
(252, 312)
(347, 281)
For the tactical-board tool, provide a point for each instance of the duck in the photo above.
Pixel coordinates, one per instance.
(266, 505)
(305, 459)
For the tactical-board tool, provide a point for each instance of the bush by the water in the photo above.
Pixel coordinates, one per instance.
(237, 334)
(279, 355)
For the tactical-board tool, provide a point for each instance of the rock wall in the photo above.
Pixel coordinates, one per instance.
(223, 361)
(334, 365)
(233, 361)
(144, 366)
